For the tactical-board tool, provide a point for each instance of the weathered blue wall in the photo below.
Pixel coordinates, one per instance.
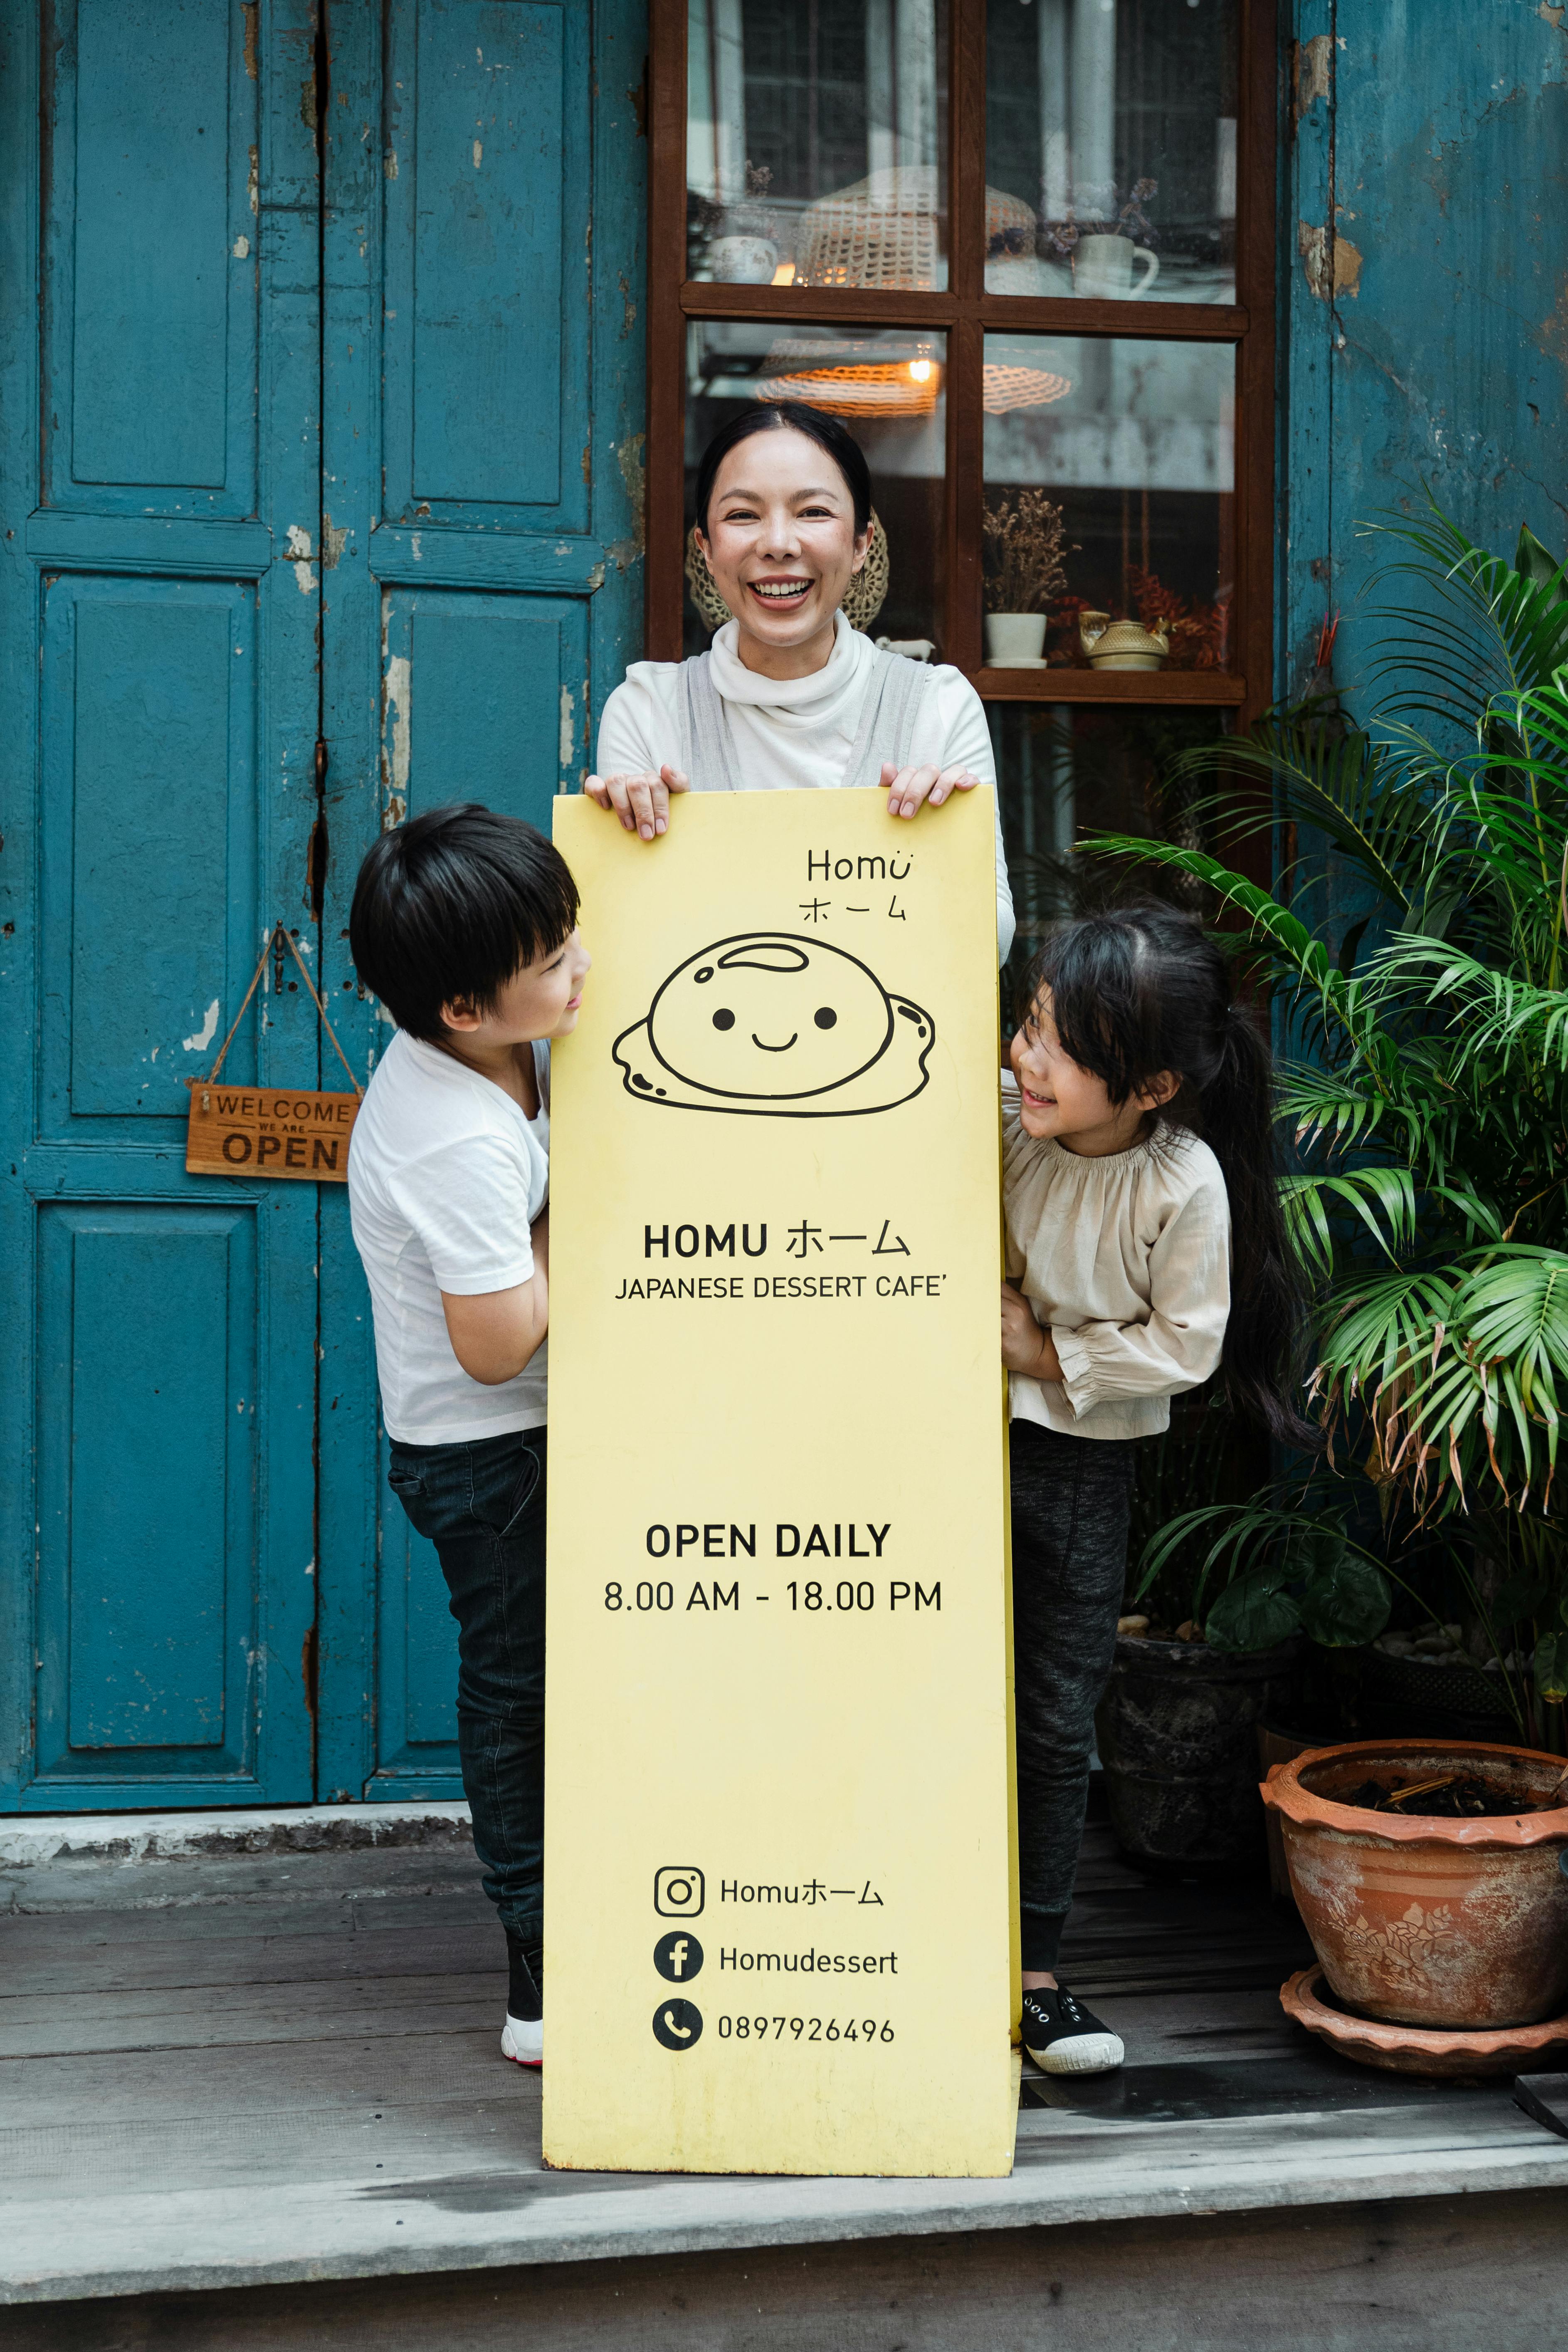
(1425, 285)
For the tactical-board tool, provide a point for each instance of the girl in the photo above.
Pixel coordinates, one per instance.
(789, 695)
(1140, 1202)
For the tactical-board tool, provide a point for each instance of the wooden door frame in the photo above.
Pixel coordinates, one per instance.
(964, 312)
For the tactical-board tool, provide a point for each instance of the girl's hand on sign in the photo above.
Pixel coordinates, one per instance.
(642, 802)
(909, 789)
(1024, 1346)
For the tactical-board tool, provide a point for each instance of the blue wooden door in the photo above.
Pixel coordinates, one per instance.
(485, 190)
(161, 446)
(297, 532)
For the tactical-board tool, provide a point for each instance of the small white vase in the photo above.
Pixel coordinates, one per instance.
(744, 260)
(1015, 640)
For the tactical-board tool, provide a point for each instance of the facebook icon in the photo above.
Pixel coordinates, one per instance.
(678, 1958)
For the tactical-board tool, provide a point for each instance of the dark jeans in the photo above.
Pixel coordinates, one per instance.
(482, 1505)
(1071, 1497)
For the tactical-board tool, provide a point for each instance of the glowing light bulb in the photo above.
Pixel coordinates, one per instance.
(920, 371)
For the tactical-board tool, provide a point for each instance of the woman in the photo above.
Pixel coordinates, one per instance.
(790, 696)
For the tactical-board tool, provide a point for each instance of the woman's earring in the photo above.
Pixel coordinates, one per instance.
(703, 587)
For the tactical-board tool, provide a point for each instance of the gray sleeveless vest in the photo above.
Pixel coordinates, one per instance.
(895, 695)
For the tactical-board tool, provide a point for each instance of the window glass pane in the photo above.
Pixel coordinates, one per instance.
(816, 141)
(888, 388)
(1064, 769)
(1108, 497)
(1110, 125)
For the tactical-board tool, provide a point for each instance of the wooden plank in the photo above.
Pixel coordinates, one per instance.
(888, 305)
(311, 2229)
(149, 544)
(190, 2017)
(108, 1962)
(1184, 685)
(1404, 2276)
(367, 2070)
(334, 2144)
(433, 556)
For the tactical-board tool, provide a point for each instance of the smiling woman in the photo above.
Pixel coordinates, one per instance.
(790, 696)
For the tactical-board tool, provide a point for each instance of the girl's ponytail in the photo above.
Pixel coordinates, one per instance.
(1261, 1340)
(1140, 990)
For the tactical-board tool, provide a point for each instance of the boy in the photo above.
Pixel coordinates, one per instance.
(464, 925)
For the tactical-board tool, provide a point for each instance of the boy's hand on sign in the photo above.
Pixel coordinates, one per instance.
(1024, 1346)
(909, 789)
(539, 1234)
(642, 802)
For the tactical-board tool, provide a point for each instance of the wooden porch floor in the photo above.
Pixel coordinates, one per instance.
(217, 2073)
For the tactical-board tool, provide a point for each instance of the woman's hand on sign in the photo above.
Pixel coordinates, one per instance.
(1024, 1346)
(642, 802)
(910, 789)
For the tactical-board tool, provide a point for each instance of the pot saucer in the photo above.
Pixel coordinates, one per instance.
(1414, 2049)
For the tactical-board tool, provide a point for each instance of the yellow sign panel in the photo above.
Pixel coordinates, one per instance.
(778, 1854)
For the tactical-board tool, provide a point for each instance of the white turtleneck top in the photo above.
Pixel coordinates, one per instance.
(796, 733)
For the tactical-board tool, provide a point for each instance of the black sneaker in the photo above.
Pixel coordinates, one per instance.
(1062, 2037)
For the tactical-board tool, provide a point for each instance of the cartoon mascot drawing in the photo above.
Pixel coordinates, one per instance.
(773, 1026)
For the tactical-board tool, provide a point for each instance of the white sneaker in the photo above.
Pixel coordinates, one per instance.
(523, 2041)
(1063, 2037)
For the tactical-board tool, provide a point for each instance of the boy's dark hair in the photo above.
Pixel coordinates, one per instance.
(1141, 988)
(450, 905)
(794, 416)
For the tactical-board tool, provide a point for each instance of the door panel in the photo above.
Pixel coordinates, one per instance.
(161, 686)
(474, 340)
(148, 733)
(151, 358)
(147, 1489)
(486, 231)
(483, 691)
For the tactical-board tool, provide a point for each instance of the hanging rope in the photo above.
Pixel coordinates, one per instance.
(278, 931)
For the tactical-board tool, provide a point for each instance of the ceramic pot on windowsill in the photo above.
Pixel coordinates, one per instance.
(1015, 640)
(1121, 645)
(744, 260)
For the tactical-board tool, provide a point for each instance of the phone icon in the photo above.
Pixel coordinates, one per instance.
(678, 2024)
(677, 1891)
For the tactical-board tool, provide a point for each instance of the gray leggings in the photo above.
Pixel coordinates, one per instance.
(1071, 1497)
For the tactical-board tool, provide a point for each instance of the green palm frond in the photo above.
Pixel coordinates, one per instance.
(1490, 628)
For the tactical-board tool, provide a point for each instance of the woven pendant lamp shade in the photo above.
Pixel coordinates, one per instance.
(887, 230)
(850, 377)
(863, 599)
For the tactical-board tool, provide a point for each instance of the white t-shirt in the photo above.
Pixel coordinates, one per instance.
(446, 1176)
(796, 734)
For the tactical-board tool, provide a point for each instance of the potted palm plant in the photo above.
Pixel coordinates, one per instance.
(1428, 1108)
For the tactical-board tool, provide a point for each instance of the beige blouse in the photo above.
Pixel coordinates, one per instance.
(1127, 1261)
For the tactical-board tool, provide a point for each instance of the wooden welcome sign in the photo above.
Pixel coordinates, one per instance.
(271, 1130)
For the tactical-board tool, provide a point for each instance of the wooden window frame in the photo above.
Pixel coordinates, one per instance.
(964, 312)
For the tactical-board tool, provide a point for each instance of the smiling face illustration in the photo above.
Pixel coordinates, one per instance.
(767, 1022)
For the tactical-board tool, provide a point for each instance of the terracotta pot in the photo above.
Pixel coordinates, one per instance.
(1444, 1924)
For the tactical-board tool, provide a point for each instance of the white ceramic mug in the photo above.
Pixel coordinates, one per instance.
(744, 260)
(1103, 267)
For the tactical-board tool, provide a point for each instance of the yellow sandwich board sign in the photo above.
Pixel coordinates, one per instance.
(778, 1854)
